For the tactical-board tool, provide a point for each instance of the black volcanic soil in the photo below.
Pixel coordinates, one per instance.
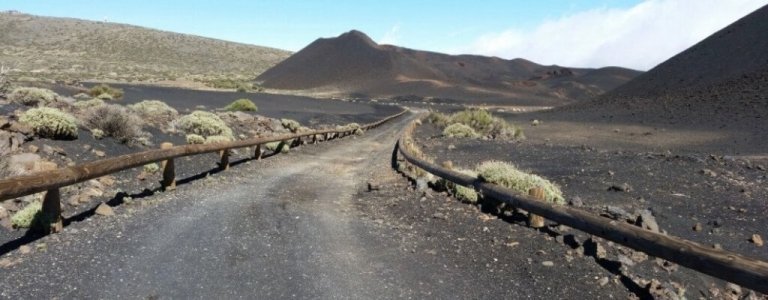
(724, 194)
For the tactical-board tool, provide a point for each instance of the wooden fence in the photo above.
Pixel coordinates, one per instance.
(730, 266)
(51, 181)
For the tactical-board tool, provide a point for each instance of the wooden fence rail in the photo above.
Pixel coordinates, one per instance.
(51, 181)
(730, 266)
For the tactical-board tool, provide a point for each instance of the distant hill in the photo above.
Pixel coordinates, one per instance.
(353, 64)
(64, 47)
(721, 82)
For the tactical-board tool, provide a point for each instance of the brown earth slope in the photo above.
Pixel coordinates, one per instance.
(71, 48)
(354, 64)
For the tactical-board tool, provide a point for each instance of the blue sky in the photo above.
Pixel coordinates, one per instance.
(507, 29)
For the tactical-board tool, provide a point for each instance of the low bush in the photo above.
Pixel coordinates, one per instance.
(115, 121)
(241, 105)
(50, 123)
(106, 92)
(459, 130)
(273, 147)
(26, 216)
(509, 176)
(151, 168)
(155, 111)
(479, 119)
(466, 194)
(97, 133)
(195, 139)
(217, 139)
(31, 96)
(88, 103)
(291, 125)
(438, 119)
(204, 124)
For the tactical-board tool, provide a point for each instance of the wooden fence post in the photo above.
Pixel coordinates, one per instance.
(51, 213)
(536, 221)
(314, 139)
(224, 163)
(257, 153)
(169, 172)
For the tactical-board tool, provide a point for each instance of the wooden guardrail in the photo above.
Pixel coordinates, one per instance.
(51, 181)
(730, 266)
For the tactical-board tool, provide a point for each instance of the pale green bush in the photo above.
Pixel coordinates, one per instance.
(273, 147)
(106, 92)
(50, 123)
(291, 125)
(242, 105)
(195, 139)
(438, 119)
(204, 124)
(97, 133)
(31, 96)
(507, 175)
(85, 104)
(155, 111)
(479, 119)
(217, 139)
(151, 168)
(25, 217)
(466, 194)
(105, 96)
(459, 130)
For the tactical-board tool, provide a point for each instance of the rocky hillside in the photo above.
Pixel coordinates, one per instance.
(352, 63)
(721, 82)
(71, 48)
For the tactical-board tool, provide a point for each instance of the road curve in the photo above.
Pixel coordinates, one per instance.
(282, 228)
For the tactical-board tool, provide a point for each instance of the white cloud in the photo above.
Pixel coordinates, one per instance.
(391, 37)
(639, 37)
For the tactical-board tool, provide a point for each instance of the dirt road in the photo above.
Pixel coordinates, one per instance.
(298, 225)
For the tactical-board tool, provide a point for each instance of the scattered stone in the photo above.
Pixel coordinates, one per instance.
(421, 184)
(372, 186)
(25, 249)
(647, 221)
(104, 210)
(511, 244)
(99, 153)
(5, 263)
(6, 223)
(107, 180)
(603, 281)
(33, 148)
(717, 246)
(625, 260)
(624, 187)
(3, 212)
(547, 263)
(708, 172)
(666, 265)
(697, 227)
(733, 289)
(439, 215)
(757, 240)
(616, 213)
(717, 223)
(576, 202)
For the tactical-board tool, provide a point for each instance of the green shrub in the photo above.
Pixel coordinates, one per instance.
(291, 125)
(479, 119)
(507, 175)
(273, 146)
(459, 130)
(204, 124)
(195, 139)
(155, 111)
(223, 83)
(438, 119)
(105, 96)
(466, 194)
(25, 217)
(502, 129)
(151, 168)
(217, 139)
(50, 123)
(97, 133)
(115, 121)
(88, 103)
(241, 105)
(101, 90)
(31, 96)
